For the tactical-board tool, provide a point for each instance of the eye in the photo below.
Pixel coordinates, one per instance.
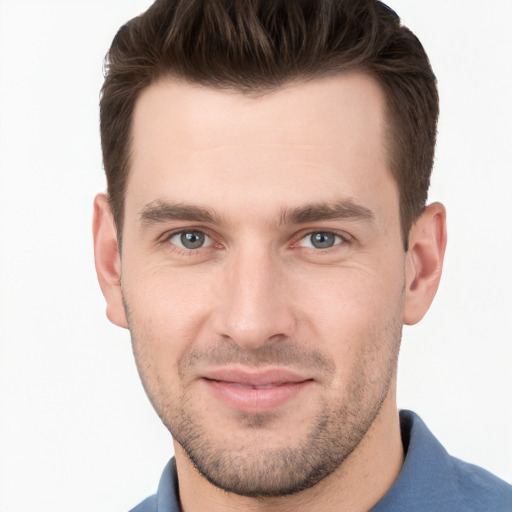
(321, 240)
(191, 239)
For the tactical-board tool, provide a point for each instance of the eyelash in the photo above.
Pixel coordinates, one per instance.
(183, 251)
(344, 237)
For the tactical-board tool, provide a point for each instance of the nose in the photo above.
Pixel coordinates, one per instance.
(254, 308)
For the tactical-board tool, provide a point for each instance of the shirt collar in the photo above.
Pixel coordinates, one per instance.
(425, 475)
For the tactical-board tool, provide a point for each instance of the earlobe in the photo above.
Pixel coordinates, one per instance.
(108, 260)
(424, 264)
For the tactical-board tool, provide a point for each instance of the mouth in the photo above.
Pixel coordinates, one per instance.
(251, 386)
(263, 391)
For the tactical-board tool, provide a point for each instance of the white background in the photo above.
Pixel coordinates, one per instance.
(76, 430)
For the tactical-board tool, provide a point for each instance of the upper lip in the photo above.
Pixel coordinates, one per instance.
(245, 377)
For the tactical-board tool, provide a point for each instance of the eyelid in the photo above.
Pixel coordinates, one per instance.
(305, 241)
(343, 235)
(207, 240)
(166, 238)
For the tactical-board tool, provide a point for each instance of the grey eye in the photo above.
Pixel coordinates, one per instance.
(191, 239)
(321, 240)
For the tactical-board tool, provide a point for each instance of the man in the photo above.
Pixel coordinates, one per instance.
(264, 238)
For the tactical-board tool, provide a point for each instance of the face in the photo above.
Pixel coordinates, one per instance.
(263, 275)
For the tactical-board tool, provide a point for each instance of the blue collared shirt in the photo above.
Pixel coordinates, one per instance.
(430, 480)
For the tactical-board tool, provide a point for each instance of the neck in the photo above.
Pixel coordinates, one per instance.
(357, 485)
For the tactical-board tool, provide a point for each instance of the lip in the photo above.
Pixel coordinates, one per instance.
(260, 391)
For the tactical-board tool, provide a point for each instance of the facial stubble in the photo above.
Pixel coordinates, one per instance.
(256, 468)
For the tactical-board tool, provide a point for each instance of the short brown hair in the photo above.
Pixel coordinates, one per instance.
(258, 45)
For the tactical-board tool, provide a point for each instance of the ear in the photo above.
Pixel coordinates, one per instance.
(108, 260)
(424, 262)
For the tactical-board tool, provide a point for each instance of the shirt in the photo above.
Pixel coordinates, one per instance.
(430, 480)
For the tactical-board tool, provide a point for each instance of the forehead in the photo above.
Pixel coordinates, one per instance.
(322, 111)
(312, 141)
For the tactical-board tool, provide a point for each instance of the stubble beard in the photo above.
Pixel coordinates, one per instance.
(255, 469)
(265, 472)
(258, 470)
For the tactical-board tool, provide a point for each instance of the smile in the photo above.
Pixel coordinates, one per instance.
(260, 392)
(263, 386)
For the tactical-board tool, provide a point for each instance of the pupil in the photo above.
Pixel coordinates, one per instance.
(322, 240)
(192, 239)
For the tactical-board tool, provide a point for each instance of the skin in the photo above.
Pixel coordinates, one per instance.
(259, 297)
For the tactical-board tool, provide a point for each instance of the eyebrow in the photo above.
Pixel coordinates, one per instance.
(345, 209)
(161, 211)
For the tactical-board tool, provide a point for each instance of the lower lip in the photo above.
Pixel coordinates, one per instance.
(248, 399)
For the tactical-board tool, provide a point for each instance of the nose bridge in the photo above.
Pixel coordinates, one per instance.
(255, 308)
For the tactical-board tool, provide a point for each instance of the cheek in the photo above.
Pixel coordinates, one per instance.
(358, 322)
(352, 292)
(352, 307)
(167, 312)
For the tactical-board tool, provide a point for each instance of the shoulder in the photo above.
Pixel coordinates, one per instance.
(431, 479)
(166, 499)
(469, 486)
(478, 489)
(148, 505)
